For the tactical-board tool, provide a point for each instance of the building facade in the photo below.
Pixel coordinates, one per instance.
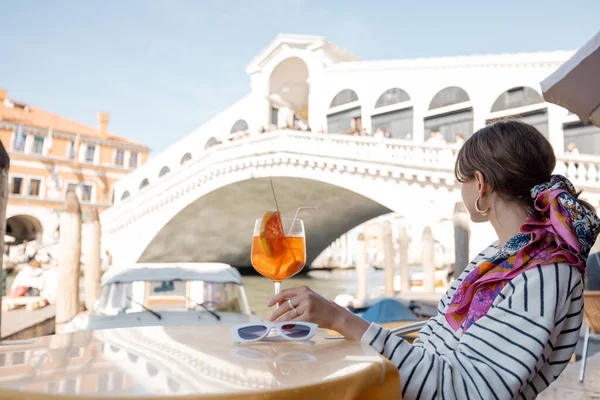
(50, 155)
(308, 79)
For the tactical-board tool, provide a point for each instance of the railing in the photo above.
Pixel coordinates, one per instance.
(363, 153)
(368, 149)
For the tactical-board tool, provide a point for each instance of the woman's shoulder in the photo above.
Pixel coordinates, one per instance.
(544, 287)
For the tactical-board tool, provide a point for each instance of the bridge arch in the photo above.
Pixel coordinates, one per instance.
(393, 114)
(345, 112)
(450, 114)
(309, 165)
(215, 214)
(23, 227)
(524, 103)
(288, 92)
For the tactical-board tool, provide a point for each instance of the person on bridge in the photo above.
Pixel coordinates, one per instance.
(508, 326)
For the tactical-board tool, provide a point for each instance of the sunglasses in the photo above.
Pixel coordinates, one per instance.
(288, 330)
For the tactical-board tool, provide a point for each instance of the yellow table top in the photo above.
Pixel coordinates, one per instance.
(190, 363)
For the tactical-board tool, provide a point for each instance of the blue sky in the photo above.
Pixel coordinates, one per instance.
(162, 68)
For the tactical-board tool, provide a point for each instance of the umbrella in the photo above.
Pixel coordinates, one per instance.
(575, 85)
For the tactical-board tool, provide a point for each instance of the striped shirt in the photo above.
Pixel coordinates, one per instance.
(516, 350)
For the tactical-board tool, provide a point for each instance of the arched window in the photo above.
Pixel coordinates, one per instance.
(392, 96)
(144, 183)
(240, 125)
(164, 170)
(448, 96)
(514, 99)
(348, 120)
(393, 122)
(212, 142)
(447, 126)
(125, 195)
(517, 97)
(186, 157)
(344, 97)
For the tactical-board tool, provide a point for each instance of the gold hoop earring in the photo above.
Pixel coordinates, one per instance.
(479, 210)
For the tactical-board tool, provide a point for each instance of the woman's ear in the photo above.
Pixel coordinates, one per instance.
(482, 186)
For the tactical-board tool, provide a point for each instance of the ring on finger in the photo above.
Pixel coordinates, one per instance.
(289, 301)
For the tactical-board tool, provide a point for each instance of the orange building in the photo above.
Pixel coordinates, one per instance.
(50, 155)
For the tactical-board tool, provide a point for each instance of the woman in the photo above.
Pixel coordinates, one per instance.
(507, 327)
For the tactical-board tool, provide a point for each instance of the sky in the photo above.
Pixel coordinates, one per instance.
(163, 68)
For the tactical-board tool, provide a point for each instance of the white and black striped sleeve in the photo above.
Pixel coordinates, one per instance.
(500, 355)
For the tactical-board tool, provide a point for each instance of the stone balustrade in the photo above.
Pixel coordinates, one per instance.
(342, 153)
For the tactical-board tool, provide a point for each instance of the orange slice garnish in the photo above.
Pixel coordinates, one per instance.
(271, 232)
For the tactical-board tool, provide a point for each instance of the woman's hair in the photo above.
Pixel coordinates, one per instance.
(512, 156)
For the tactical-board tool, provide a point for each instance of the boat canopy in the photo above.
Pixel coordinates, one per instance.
(208, 272)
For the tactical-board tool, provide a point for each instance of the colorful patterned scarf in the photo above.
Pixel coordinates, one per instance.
(559, 230)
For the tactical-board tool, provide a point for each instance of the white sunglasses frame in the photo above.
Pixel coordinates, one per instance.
(274, 325)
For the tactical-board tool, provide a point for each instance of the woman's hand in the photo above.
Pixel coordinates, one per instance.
(312, 307)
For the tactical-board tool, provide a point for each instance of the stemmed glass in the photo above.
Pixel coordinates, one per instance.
(282, 257)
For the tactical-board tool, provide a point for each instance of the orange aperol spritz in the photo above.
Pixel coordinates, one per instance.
(278, 247)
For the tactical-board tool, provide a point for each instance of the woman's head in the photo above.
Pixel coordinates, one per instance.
(503, 161)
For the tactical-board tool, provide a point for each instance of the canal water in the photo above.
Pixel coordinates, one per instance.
(330, 284)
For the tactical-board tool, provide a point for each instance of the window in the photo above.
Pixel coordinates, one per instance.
(144, 183)
(102, 383)
(164, 171)
(15, 185)
(19, 140)
(72, 187)
(344, 97)
(34, 187)
(392, 96)
(2, 359)
(133, 160)
(38, 145)
(69, 386)
(90, 152)
(186, 157)
(120, 158)
(86, 192)
(240, 125)
(18, 358)
(449, 96)
(118, 381)
(274, 116)
(72, 151)
(75, 352)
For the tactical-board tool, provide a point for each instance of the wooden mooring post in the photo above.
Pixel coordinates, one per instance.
(67, 300)
(91, 230)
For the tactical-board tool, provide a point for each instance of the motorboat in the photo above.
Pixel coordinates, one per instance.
(167, 294)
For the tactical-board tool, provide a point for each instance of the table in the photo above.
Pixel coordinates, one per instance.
(193, 363)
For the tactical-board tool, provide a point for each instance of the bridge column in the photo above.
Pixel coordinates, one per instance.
(428, 261)
(260, 101)
(556, 136)
(361, 268)
(403, 242)
(389, 259)
(418, 123)
(462, 234)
